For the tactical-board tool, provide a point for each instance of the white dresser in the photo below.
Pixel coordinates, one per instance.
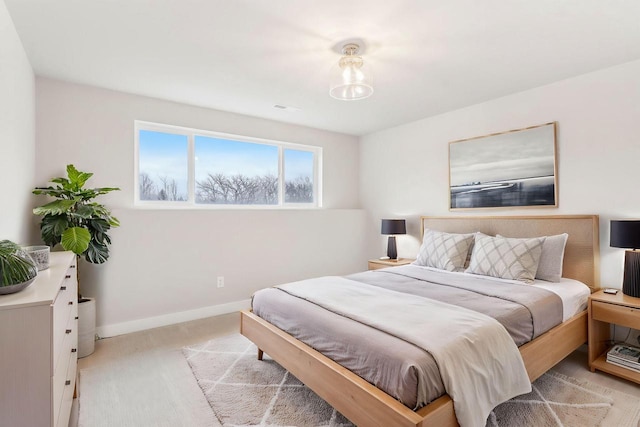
(38, 348)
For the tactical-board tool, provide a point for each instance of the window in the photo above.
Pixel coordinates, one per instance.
(188, 167)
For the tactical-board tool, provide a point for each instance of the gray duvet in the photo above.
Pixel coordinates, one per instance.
(391, 364)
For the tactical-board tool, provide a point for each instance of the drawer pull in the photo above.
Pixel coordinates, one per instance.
(68, 276)
(63, 288)
(73, 350)
(68, 331)
(67, 382)
(70, 302)
(76, 318)
(72, 266)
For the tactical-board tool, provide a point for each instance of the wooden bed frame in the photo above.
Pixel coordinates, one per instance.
(366, 405)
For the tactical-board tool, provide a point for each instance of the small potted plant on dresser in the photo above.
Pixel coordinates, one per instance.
(17, 269)
(79, 224)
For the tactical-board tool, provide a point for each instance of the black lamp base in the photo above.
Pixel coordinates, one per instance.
(631, 283)
(392, 252)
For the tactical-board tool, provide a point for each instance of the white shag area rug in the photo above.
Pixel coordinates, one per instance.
(244, 391)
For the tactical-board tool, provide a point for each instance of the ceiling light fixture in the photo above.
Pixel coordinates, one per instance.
(352, 79)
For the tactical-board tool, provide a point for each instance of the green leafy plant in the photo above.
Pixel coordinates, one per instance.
(15, 268)
(74, 220)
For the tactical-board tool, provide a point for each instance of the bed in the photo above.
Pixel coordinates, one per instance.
(364, 404)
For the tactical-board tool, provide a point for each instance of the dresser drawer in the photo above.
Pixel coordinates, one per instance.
(67, 395)
(69, 342)
(64, 309)
(618, 314)
(61, 314)
(64, 375)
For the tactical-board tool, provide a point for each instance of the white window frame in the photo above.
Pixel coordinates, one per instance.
(190, 203)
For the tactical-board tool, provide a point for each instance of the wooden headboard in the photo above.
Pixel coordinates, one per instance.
(582, 253)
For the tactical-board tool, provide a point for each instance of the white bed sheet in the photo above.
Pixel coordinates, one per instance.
(573, 293)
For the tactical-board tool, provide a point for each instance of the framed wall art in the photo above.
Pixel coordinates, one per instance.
(516, 168)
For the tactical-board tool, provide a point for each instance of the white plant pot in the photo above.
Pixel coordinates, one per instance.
(86, 327)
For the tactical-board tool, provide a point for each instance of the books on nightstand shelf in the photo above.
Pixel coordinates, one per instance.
(625, 356)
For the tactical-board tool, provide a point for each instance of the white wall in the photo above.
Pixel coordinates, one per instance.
(17, 138)
(404, 170)
(166, 261)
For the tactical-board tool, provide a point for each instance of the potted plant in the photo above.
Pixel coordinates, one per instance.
(79, 224)
(17, 269)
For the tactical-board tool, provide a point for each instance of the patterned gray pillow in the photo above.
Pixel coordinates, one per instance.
(476, 236)
(552, 257)
(515, 259)
(446, 251)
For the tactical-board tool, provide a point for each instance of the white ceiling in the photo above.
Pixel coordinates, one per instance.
(245, 56)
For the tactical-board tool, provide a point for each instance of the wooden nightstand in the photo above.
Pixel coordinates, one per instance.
(375, 264)
(604, 310)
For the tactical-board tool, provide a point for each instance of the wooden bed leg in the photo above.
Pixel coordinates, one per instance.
(260, 354)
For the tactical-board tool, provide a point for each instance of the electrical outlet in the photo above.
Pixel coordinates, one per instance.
(221, 281)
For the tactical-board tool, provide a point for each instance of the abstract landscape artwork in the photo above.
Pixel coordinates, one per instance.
(509, 169)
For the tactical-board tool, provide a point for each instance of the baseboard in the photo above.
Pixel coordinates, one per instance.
(170, 319)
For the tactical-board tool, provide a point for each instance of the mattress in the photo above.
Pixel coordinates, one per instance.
(394, 365)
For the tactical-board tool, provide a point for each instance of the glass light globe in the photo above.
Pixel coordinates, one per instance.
(352, 79)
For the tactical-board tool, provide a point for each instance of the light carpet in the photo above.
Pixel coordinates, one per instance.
(243, 391)
(140, 390)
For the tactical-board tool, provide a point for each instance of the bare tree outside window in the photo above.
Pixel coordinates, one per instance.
(170, 188)
(299, 190)
(164, 188)
(148, 189)
(237, 190)
(269, 188)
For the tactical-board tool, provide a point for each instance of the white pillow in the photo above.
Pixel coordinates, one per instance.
(552, 258)
(446, 251)
(515, 259)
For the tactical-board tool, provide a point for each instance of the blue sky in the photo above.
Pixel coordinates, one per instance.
(232, 157)
(164, 154)
(298, 163)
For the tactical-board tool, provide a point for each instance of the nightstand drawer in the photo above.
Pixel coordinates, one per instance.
(618, 314)
(375, 264)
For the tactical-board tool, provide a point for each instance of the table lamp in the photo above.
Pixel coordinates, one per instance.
(626, 234)
(393, 227)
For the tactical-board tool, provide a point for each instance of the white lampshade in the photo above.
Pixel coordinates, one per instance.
(351, 78)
